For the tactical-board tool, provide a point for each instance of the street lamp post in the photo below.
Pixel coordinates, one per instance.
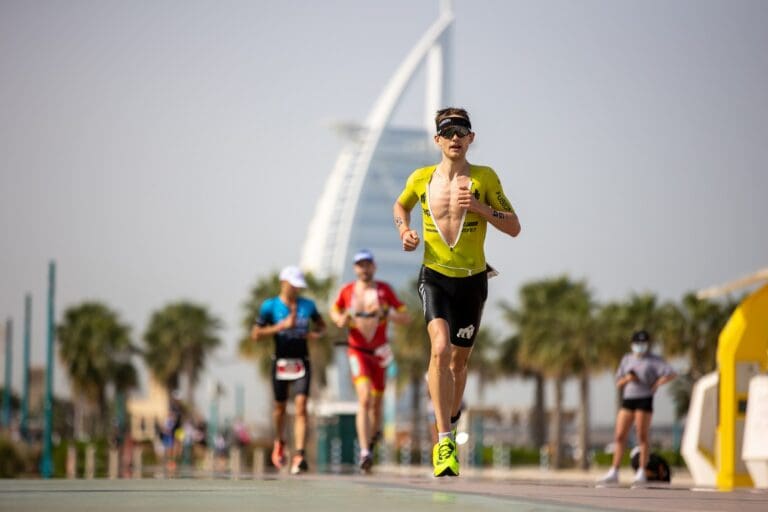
(46, 463)
(23, 423)
(6, 416)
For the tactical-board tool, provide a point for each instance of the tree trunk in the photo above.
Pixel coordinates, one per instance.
(537, 423)
(584, 421)
(191, 385)
(79, 422)
(103, 415)
(557, 425)
(417, 423)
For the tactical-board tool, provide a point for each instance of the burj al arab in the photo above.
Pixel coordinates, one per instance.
(354, 210)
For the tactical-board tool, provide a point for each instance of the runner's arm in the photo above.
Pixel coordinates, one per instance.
(400, 316)
(339, 316)
(506, 222)
(408, 236)
(502, 218)
(495, 208)
(260, 331)
(319, 329)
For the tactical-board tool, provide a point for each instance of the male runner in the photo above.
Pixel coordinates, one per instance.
(287, 317)
(458, 200)
(366, 306)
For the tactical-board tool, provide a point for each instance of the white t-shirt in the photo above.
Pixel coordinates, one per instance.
(648, 368)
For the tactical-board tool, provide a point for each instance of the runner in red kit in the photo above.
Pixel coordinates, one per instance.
(365, 306)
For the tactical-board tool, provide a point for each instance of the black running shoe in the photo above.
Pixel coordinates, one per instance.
(366, 463)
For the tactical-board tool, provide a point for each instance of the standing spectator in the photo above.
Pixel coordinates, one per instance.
(639, 376)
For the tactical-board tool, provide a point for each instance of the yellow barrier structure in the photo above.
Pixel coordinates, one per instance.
(742, 353)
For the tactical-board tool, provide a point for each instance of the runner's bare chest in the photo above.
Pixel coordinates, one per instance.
(367, 310)
(444, 207)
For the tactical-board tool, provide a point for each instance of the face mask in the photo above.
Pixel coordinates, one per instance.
(639, 348)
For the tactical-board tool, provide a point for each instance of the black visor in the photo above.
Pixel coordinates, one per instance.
(453, 121)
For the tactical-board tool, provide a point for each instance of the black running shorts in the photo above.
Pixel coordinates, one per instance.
(300, 386)
(457, 300)
(638, 404)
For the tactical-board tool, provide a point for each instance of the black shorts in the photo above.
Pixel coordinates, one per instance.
(300, 386)
(457, 300)
(638, 404)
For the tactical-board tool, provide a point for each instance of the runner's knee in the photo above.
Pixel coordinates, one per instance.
(441, 358)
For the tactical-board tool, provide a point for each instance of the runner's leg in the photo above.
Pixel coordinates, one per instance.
(362, 418)
(300, 421)
(459, 360)
(441, 382)
(377, 400)
(278, 419)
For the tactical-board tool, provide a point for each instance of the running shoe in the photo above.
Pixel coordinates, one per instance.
(374, 441)
(278, 454)
(640, 479)
(610, 478)
(299, 465)
(366, 463)
(444, 458)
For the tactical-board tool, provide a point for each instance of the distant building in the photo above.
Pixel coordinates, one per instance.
(146, 412)
(355, 208)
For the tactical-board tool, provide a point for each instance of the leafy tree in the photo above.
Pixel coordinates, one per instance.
(411, 348)
(484, 361)
(691, 329)
(95, 346)
(511, 364)
(178, 340)
(554, 314)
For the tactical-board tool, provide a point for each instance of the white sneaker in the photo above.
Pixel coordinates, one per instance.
(640, 478)
(610, 478)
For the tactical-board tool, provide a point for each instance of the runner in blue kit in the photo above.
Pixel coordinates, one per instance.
(291, 320)
(639, 376)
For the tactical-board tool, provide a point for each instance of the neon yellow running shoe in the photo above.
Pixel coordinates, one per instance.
(444, 458)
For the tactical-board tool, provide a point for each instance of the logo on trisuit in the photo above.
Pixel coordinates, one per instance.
(466, 332)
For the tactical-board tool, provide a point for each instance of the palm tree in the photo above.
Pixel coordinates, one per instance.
(411, 348)
(511, 364)
(692, 329)
(484, 361)
(178, 340)
(553, 315)
(94, 347)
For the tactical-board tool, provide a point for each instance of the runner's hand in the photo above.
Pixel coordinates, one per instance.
(410, 240)
(285, 323)
(343, 320)
(467, 200)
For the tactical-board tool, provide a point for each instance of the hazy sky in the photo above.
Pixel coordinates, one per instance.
(173, 150)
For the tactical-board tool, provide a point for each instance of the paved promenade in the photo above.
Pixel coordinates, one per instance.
(392, 490)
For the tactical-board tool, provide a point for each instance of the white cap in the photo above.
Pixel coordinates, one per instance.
(294, 276)
(363, 255)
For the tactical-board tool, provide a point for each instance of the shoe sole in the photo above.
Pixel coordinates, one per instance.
(446, 472)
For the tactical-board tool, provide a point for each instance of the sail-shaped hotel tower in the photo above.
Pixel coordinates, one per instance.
(355, 208)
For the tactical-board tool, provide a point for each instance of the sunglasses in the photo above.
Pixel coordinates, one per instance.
(449, 132)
